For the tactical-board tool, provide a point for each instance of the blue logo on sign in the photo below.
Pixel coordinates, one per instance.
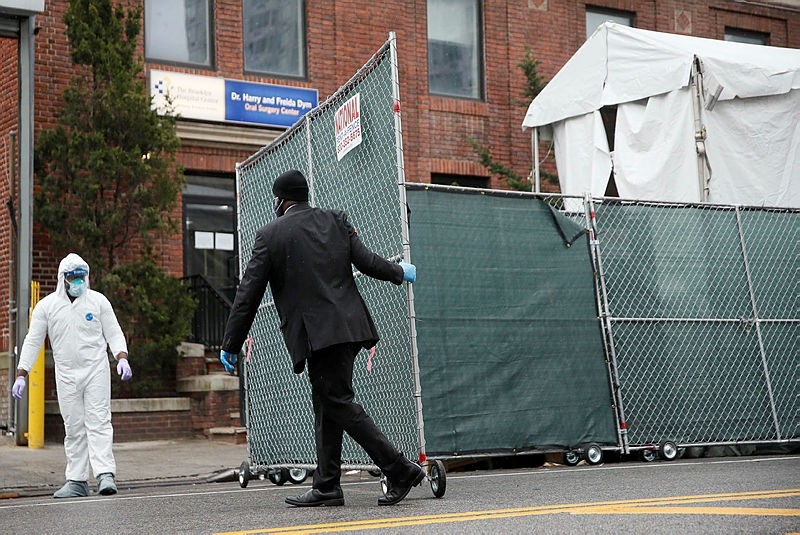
(89, 316)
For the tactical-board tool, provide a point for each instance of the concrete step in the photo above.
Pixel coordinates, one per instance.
(213, 365)
(229, 435)
(214, 382)
(189, 349)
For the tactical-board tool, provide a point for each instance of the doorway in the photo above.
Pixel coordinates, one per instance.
(210, 246)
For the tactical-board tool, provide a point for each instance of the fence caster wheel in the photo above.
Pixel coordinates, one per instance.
(438, 477)
(572, 457)
(244, 474)
(384, 484)
(297, 475)
(668, 450)
(594, 454)
(648, 455)
(279, 476)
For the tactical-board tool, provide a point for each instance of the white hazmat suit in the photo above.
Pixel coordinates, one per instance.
(79, 331)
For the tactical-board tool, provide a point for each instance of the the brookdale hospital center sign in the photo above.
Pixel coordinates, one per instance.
(217, 99)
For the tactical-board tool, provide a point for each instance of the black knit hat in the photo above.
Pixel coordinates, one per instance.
(291, 186)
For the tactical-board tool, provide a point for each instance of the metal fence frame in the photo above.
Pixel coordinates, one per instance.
(298, 145)
(611, 322)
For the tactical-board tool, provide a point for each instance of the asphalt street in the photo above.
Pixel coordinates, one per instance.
(759, 494)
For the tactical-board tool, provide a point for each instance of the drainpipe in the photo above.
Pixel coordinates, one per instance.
(12, 268)
(25, 241)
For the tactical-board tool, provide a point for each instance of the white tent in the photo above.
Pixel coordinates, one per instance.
(696, 119)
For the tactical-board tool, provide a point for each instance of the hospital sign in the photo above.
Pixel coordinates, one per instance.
(210, 98)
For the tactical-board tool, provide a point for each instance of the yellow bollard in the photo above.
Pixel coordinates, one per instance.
(36, 389)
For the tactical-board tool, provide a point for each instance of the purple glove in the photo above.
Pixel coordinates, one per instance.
(19, 386)
(124, 369)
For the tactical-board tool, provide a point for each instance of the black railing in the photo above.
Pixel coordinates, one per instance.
(208, 325)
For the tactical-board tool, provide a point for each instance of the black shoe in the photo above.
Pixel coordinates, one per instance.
(397, 492)
(315, 498)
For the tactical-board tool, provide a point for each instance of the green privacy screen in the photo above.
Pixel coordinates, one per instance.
(510, 349)
(702, 307)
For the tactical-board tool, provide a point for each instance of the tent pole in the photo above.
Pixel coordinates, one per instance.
(537, 182)
(699, 129)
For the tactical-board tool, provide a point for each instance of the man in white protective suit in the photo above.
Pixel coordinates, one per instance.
(81, 325)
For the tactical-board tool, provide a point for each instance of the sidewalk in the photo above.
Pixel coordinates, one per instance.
(40, 472)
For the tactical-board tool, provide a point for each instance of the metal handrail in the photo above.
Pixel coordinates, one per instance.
(213, 307)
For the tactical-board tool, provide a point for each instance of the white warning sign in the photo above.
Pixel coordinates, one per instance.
(347, 125)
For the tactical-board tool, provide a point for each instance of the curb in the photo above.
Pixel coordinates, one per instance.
(221, 476)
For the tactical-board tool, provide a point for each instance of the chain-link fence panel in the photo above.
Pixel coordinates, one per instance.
(776, 289)
(694, 359)
(365, 184)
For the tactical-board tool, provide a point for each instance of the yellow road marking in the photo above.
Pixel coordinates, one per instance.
(672, 510)
(668, 505)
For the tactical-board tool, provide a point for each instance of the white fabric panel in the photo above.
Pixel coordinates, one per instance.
(640, 64)
(582, 156)
(654, 152)
(621, 64)
(753, 146)
(741, 73)
(576, 89)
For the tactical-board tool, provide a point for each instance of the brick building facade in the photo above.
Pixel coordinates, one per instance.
(336, 38)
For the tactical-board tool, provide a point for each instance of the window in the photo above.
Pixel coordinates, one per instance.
(455, 53)
(464, 181)
(178, 31)
(274, 37)
(595, 16)
(746, 36)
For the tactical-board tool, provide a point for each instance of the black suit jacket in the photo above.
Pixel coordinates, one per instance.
(306, 258)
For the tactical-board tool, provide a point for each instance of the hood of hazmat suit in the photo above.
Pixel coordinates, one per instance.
(71, 262)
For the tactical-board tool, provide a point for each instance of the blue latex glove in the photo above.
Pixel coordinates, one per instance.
(124, 369)
(409, 272)
(228, 360)
(19, 386)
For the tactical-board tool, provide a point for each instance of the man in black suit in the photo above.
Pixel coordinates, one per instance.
(305, 255)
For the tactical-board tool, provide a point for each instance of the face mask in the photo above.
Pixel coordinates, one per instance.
(76, 287)
(276, 206)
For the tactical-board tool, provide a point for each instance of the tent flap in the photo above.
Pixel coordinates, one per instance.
(751, 96)
(621, 64)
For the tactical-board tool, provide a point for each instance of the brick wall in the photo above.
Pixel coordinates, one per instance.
(9, 96)
(133, 426)
(214, 409)
(159, 418)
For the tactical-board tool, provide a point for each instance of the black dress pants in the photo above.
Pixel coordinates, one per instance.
(330, 371)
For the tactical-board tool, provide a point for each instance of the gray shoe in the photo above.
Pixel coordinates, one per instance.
(72, 489)
(106, 485)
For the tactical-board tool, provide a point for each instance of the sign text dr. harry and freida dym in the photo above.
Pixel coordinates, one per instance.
(218, 99)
